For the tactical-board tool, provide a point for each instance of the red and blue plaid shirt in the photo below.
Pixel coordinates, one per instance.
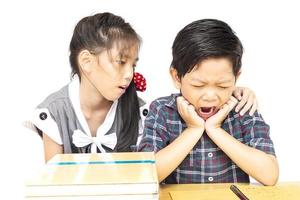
(206, 163)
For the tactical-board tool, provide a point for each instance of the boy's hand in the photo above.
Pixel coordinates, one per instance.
(247, 100)
(189, 114)
(215, 121)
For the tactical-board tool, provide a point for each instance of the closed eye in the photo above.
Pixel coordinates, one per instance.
(198, 86)
(223, 87)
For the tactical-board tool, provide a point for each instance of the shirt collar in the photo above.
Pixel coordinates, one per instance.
(75, 100)
(171, 103)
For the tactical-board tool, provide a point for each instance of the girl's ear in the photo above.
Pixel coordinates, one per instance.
(85, 59)
(175, 78)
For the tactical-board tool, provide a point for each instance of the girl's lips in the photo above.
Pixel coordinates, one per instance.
(207, 112)
(123, 89)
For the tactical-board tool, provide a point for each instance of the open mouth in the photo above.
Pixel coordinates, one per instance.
(207, 112)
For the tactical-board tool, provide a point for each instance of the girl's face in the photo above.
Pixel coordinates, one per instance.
(113, 70)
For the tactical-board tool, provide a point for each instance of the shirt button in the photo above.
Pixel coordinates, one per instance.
(210, 179)
(210, 154)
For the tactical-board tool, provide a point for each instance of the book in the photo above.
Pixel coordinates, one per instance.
(106, 175)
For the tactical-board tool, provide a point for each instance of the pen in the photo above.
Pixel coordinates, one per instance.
(238, 192)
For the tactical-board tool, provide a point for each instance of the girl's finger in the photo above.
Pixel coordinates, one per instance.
(242, 102)
(238, 93)
(254, 107)
(248, 105)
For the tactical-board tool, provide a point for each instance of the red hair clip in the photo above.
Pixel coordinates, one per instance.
(139, 81)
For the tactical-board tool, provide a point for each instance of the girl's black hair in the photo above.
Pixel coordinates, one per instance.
(203, 39)
(99, 33)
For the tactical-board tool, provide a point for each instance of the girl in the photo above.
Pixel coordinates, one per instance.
(99, 111)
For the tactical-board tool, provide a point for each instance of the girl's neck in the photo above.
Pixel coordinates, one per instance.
(91, 100)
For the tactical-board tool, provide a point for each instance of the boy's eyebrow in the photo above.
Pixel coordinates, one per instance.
(219, 82)
(197, 79)
(224, 81)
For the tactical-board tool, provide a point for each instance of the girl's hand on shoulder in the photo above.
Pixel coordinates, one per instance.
(247, 100)
(215, 121)
(189, 114)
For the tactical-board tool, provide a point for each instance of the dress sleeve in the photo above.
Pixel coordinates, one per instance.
(256, 133)
(155, 135)
(144, 110)
(44, 122)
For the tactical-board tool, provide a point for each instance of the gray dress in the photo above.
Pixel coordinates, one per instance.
(59, 116)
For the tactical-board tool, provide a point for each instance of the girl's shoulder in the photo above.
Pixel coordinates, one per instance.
(55, 97)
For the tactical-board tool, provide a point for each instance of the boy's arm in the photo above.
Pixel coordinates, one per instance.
(155, 137)
(258, 164)
(169, 158)
(261, 166)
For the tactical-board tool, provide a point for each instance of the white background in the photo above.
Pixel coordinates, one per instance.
(34, 62)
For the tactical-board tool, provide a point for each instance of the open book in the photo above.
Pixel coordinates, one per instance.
(103, 175)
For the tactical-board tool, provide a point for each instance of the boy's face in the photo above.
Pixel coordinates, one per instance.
(208, 86)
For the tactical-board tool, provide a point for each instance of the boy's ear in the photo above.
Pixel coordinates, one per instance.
(85, 59)
(175, 78)
(238, 75)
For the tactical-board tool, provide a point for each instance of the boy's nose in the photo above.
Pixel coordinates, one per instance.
(209, 96)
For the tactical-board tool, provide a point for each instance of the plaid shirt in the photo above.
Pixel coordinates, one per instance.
(206, 163)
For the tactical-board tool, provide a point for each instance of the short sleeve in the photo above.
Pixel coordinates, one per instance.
(144, 110)
(256, 133)
(43, 120)
(155, 135)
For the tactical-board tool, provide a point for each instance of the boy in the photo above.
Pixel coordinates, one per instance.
(196, 135)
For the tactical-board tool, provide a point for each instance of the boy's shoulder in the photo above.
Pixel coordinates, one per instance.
(164, 102)
(235, 117)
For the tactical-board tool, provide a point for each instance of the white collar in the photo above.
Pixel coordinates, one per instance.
(75, 100)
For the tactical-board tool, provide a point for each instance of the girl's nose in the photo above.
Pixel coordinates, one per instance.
(128, 72)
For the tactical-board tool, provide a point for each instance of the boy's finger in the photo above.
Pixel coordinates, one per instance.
(191, 110)
(179, 104)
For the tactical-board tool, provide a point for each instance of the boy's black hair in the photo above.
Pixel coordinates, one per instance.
(202, 39)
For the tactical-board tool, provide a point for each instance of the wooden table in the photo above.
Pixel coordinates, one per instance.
(286, 190)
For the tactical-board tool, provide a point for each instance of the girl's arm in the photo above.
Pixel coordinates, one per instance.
(51, 148)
